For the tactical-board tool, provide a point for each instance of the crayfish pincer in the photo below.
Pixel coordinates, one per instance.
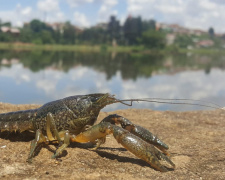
(72, 120)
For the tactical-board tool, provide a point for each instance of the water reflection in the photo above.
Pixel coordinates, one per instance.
(42, 76)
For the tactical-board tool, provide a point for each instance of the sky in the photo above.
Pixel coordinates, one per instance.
(195, 14)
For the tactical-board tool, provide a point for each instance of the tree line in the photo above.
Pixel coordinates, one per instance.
(135, 31)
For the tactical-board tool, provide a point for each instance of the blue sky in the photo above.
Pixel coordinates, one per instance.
(200, 14)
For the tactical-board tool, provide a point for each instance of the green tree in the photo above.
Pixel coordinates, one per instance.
(183, 41)
(8, 24)
(46, 37)
(38, 32)
(26, 34)
(211, 32)
(114, 29)
(93, 36)
(132, 30)
(37, 26)
(5, 37)
(153, 39)
(147, 25)
(69, 34)
(57, 36)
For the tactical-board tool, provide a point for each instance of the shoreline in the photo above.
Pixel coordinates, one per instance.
(102, 48)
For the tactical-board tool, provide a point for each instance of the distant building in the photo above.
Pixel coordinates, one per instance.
(205, 43)
(5, 29)
(15, 31)
(198, 32)
(170, 38)
(56, 26)
(10, 30)
(177, 29)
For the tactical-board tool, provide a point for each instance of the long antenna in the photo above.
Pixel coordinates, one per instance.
(173, 101)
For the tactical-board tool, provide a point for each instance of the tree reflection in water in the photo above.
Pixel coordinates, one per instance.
(42, 76)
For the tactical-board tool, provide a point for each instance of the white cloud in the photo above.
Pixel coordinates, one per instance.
(205, 87)
(193, 14)
(26, 11)
(76, 3)
(57, 16)
(106, 10)
(47, 85)
(18, 15)
(200, 14)
(48, 5)
(111, 2)
(49, 10)
(81, 20)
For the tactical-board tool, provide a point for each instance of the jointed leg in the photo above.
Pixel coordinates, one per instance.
(52, 126)
(39, 138)
(64, 145)
(57, 135)
(62, 137)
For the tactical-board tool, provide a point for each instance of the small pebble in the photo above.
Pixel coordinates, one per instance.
(3, 146)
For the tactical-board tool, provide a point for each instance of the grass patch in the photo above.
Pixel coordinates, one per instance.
(105, 48)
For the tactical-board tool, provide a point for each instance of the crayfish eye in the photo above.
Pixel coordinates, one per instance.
(99, 99)
(94, 99)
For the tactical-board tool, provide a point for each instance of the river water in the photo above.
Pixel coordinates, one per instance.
(38, 77)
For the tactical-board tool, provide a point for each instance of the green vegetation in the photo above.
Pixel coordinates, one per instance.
(153, 39)
(49, 47)
(107, 48)
(182, 41)
(135, 35)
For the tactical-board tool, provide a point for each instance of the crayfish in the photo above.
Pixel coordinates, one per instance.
(72, 120)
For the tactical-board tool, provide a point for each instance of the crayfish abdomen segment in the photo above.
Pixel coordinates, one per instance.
(17, 121)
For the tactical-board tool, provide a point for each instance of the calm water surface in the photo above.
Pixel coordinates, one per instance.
(38, 77)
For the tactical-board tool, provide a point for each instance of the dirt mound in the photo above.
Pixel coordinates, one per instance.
(196, 141)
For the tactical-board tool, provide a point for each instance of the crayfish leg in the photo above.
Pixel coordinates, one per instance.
(35, 144)
(63, 137)
(63, 146)
(96, 132)
(50, 125)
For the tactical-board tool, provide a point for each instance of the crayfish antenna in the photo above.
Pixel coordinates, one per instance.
(201, 103)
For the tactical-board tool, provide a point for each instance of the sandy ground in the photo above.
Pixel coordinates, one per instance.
(196, 140)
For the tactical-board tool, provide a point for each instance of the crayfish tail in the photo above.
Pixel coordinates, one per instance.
(17, 121)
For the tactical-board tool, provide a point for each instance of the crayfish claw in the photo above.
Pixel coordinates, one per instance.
(139, 131)
(141, 149)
